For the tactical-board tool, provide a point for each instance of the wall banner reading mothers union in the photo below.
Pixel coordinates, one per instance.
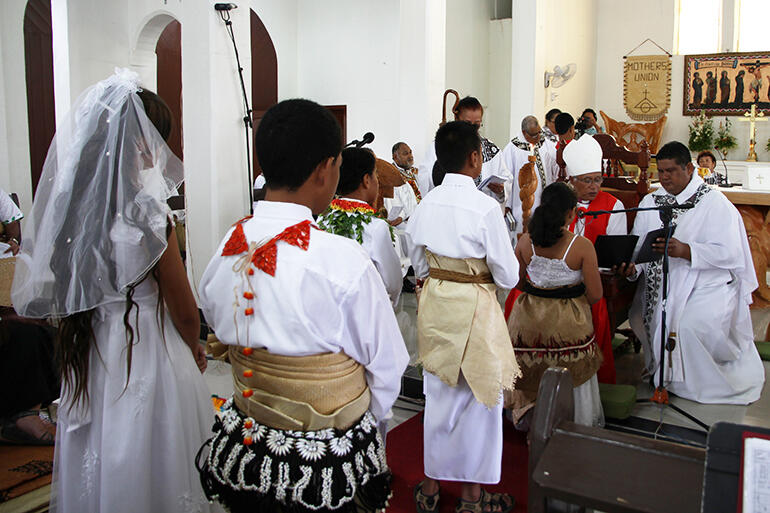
(647, 86)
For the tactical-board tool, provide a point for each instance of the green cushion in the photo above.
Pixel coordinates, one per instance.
(764, 350)
(617, 400)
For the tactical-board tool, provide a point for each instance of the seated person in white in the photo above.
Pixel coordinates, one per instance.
(711, 277)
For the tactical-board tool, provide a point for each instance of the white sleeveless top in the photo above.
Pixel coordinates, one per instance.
(548, 273)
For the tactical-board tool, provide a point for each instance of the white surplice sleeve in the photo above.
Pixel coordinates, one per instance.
(550, 166)
(501, 260)
(416, 250)
(725, 248)
(617, 223)
(386, 259)
(371, 337)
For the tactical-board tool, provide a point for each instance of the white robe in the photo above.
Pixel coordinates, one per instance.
(715, 360)
(326, 299)
(402, 204)
(463, 438)
(379, 247)
(514, 158)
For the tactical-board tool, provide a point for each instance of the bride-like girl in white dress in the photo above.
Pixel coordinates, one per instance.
(103, 260)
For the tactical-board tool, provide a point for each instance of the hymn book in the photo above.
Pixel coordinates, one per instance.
(612, 250)
(646, 253)
(756, 475)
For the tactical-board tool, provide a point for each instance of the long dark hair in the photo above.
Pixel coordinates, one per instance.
(76, 334)
(545, 225)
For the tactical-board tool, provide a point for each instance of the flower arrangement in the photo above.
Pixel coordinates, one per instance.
(701, 133)
(768, 145)
(347, 218)
(725, 141)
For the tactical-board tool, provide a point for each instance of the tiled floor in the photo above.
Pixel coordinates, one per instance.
(629, 368)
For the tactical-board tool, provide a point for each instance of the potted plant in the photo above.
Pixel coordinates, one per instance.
(701, 133)
(725, 141)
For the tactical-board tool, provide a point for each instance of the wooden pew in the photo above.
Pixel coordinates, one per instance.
(601, 469)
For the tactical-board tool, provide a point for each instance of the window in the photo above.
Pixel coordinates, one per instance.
(752, 25)
(700, 26)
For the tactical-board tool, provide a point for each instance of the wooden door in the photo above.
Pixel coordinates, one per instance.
(38, 55)
(168, 51)
(264, 77)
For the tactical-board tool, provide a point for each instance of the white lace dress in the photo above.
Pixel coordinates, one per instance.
(133, 448)
(541, 322)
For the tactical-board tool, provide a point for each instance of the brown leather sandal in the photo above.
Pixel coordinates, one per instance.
(426, 503)
(487, 503)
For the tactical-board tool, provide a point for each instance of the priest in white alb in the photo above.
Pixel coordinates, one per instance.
(516, 154)
(711, 277)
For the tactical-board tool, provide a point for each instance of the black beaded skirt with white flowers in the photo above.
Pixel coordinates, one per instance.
(252, 467)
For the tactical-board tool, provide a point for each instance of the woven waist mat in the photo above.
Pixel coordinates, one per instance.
(299, 392)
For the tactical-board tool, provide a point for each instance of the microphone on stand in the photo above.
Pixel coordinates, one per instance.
(224, 7)
(666, 211)
(366, 139)
(726, 183)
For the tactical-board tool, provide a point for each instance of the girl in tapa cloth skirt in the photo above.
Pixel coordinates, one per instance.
(550, 324)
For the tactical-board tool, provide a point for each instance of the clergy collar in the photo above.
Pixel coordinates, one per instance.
(458, 180)
(282, 210)
(687, 192)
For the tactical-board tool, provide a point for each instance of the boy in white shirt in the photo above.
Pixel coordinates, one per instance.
(316, 351)
(462, 246)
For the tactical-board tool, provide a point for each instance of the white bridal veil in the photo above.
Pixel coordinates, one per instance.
(99, 216)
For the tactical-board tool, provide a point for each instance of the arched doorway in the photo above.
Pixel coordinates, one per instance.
(168, 52)
(264, 76)
(38, 56)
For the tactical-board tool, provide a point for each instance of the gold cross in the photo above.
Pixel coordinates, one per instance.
(752, 117)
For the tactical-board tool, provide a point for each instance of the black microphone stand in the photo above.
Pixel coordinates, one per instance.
(726, 183)
(660, 396)
(224, 12)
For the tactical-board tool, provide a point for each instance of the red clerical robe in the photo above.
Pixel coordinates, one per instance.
(601, 320)
(594, 228)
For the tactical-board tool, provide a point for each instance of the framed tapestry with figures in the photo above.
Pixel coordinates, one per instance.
(726, 84)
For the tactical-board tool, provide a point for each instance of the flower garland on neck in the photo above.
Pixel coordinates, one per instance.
(347, 218)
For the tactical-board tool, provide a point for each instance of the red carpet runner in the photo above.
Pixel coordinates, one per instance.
(404, 449)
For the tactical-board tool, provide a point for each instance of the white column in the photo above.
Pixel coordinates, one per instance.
(14, 165)
(215, 149)
(526, 59)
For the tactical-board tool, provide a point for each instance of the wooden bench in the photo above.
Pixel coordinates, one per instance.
(601, 469)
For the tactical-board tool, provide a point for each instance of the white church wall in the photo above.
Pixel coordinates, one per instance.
(546, 33)
(348, 55)
(421, 74)
(498, 113)
(14, 134)
(467, 49)
(569, 35)
(624, 24)
(527, 61)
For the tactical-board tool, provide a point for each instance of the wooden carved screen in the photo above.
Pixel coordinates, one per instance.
(38, 54)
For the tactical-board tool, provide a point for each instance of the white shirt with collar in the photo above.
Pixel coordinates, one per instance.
(328, 298)
(457, 220)
(379, 247)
